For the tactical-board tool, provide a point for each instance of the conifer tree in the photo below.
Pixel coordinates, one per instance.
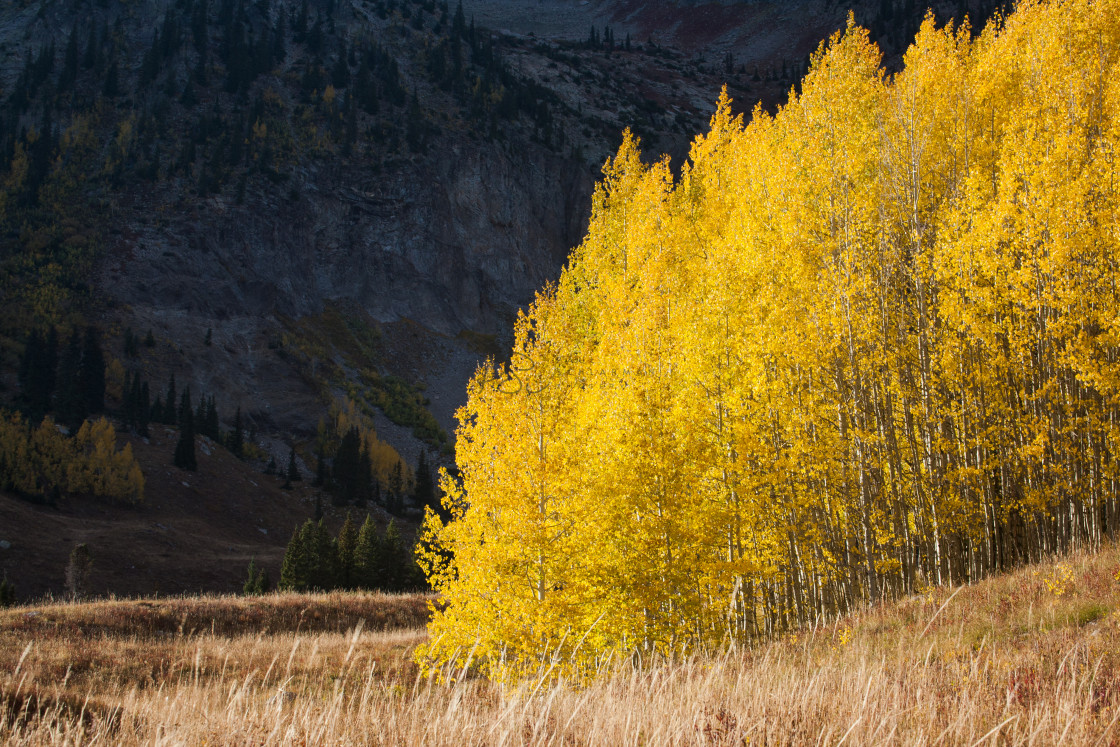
(394, 559)
(295, 571)
(92, 373)
(346, 548)
(111, 88)
(213, 427)
(394, 498)
(7, 592)
(324, 555)
(69, 72)
(72, 402)
(257, 581)
(367, 556)
(293, 474)
(37, 372)
(424, 492)
(322, 476)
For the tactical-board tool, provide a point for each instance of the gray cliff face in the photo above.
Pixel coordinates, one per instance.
(458, 241)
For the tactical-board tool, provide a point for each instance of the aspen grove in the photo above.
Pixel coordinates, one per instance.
(859, 346)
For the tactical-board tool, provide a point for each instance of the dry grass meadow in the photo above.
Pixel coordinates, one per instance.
(1032, 657)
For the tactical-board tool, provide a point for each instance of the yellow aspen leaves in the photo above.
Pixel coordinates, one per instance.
(35, 461)
(869, 341)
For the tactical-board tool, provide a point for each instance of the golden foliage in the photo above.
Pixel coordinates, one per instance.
(35, 461)
(867, 341)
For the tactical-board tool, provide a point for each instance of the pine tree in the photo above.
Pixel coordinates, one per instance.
(367, 557)
(364, 488)
(340, 73)
(346, 549)
(324, 554)
(235, 439)
(184, 449)
(37, 372)
(295, 571)
(92, 373)
(394, 559)
(293, 471)
(131, 343)
(257, 581)
(213, 425)
(72, 401)
(394, 498)
(7, 592)
(322, 476)
(112, 86)
(346, 471)
(69, 72)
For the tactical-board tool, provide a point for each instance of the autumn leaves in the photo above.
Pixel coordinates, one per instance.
(864, 342)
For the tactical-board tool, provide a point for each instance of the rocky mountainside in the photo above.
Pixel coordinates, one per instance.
(313, 200)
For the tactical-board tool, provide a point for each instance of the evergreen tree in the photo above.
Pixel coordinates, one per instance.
(92, 373)
(414, 125)
(257, 582)
(235, 440)
(324, 554)
(37, 373)
(89, 59)
(321, 472)
(295, 571)
(364, 487)
(131, 343)
(72, 401)
(458, 24)
(112, 87)
(69, 72)
(394, 559)
(346, 548)
(394, 499)
(293, 470)
(184, 450)
(149, 67)
(200, 416)
(367, 556)
(7, 592)
(212, 428)
(340, 73)
(346, 470)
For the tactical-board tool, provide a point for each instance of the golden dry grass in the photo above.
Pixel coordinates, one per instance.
(1028, 658)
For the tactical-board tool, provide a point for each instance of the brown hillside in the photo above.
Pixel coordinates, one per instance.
(195, 532)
